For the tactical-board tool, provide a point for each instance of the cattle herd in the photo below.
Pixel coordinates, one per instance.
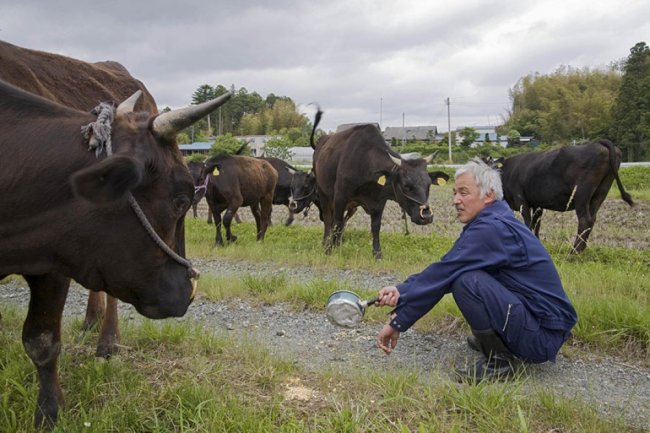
(106, 207)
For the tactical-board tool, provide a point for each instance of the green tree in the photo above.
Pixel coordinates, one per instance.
(204, 93)
(514, 137)
(469, 136)
(631, 111)
(227, 144)
(278, 148)
(570, 104)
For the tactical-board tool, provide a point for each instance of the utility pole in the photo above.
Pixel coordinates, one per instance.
(449, 128)
(381, 103)
(403, 131)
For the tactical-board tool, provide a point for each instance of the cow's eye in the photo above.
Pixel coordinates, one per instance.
(181, 204)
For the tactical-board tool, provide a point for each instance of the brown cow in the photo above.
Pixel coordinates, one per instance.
(80, 85)
(111, 218)
(355, 167)
(235, 181)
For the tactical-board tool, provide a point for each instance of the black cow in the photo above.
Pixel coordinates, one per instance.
(110, 218)
(572, 177)
(355, 167)
(287, 176)
(302, 192)
(200, 186)
(235, 181)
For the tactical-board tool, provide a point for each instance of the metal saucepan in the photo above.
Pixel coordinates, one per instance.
(345, 308)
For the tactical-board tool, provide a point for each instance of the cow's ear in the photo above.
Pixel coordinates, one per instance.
(438, 177)
(215, 169)
(381, 177)
(108, 180)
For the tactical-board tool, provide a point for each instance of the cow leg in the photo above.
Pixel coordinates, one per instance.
(227, 221)
(536, 220)
(194, 212)
(586, 222)
(95, 309)
(327, 216)
(109, 333)
(266, 208)
(406, 223)
(338, 223)
(526, 214)
(42, 341)
(257, 215)
(289, 218)
(217, 226)
(375, 228)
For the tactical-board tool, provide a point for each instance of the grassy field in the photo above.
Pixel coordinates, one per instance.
(178, 378)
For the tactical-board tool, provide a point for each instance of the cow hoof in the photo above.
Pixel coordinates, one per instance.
(232, 239)
(89, 324)
(106, 351)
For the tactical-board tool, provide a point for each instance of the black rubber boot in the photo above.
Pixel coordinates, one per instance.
(473, 344)
(498, 363)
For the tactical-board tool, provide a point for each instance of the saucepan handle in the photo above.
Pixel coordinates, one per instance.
(373, 300)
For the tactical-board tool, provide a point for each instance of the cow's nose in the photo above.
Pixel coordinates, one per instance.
(292, 204)
(425, 212)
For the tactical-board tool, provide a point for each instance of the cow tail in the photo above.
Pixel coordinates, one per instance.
(241, 148)
(319, 114)
(613, 165)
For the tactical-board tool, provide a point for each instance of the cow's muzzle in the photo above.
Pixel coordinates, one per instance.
(425, 216)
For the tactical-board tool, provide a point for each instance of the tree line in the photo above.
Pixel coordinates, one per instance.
(248, 114)
(567, 106)
(578, 105)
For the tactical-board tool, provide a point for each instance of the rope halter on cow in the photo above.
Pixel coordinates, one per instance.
(394, 180)
(98, 134)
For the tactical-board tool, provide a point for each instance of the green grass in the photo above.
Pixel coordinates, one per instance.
(176, 377)
(609, 286)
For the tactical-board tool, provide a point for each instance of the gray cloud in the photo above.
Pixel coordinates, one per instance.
(351, 57)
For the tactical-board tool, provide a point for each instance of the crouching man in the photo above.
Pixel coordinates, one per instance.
(502, 279)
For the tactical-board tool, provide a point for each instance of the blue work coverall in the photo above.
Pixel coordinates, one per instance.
(499, 262)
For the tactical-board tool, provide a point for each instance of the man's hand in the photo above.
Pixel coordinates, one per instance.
(388, 296)
(387, 338)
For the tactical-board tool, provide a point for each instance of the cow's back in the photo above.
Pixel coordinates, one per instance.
(550, 179)
(245, 176)
(349, 154)
(69, 81)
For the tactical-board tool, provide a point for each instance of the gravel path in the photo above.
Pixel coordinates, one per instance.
(615, 388)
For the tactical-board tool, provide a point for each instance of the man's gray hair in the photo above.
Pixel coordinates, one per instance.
(487, 178)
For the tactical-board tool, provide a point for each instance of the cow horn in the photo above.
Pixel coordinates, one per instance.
(170, 123)
(429, 158)
(397, 161)
(128, 104)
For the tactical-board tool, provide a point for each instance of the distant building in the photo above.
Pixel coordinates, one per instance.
(256, 143)
(486, 134)
(422, 133)
(301, 155)
(345, 126)
(202, 147)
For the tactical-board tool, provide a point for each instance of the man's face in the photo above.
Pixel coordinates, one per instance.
(467, 198)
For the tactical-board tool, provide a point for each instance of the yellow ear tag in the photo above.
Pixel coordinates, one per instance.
(215, 172)
(382, 180)
(441, 181)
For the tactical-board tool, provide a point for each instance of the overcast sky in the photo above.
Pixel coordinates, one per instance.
(362, 61)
